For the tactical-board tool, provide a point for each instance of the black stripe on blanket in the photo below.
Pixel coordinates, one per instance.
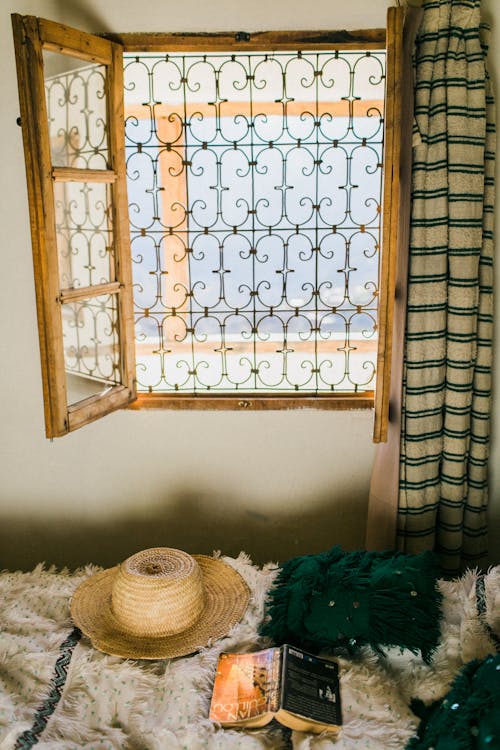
(31, 736)
(481, 610)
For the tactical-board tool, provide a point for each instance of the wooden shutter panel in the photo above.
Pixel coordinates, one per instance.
(402, 25)
(33, 37)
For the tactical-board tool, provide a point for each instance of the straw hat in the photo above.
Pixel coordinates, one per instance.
(160, 603)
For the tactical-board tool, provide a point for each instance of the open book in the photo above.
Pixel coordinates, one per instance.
(299, 690)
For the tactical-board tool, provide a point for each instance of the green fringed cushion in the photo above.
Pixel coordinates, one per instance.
(351, 599)
(469, 716)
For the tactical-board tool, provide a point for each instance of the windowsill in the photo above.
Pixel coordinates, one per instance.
(251, 402)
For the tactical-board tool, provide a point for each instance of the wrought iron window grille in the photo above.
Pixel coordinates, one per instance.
(255, 191)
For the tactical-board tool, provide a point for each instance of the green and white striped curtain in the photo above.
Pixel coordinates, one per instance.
(447, 370)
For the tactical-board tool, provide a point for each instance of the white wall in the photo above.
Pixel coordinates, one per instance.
(275, 484)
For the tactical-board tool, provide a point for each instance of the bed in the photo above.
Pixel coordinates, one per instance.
(58, 693)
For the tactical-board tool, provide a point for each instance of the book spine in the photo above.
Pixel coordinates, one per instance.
(275, 680)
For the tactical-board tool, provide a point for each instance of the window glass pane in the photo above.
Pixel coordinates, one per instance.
(75, 93)
(84, 233)
(254, 185)
(91, 346)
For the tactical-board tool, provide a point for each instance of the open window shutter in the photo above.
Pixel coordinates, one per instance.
(402, 23)
(402, 27)
(71, 98)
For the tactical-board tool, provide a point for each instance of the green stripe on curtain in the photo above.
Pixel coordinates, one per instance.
(447, 368)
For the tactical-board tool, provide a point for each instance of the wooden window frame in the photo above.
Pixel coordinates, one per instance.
(370, 39)
(60, 419)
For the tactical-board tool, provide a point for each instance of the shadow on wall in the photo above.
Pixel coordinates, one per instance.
(77, 13)
(194, 522)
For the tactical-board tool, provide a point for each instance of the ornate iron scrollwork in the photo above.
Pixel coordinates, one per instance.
(255, 188)
(255, 203)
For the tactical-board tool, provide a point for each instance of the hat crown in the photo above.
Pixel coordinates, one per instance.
(157, 592)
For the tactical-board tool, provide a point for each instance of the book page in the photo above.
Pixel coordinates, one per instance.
(245, 686)
(310, 687)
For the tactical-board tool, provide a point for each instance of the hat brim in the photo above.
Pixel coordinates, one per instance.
(226, 599)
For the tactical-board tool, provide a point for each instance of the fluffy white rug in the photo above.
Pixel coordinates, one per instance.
(112, 704)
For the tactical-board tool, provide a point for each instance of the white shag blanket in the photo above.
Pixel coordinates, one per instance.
(109, 703)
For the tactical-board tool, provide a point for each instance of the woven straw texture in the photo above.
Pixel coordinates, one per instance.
(157, 592)
(122, 609)
(447, 370)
